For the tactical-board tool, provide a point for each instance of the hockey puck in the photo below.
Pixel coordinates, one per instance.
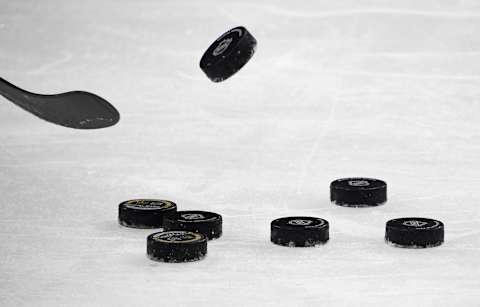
(414, 232)
(176, 246)
(299, 231)
(228, 54)
(206, 223)
(358, 192)
(145, 213)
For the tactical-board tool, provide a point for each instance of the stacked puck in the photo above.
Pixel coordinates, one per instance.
(185, 233)
(207, 223)
(145, 213)
(299, 231)
(176, 246)
(185, 236)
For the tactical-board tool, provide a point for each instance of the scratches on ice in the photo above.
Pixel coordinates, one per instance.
(413, 76)
(53, 65)
(367, 11)
(420, 54)
(316, 144)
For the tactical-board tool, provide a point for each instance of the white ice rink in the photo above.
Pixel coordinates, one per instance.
(386, 89)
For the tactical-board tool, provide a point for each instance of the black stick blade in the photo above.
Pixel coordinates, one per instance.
(76, 109)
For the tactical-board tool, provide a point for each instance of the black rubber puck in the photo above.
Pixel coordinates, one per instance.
(299, 231)
(176, 246)
(414, 232)
(145, 213)
(204, 222)
(358, 192)
(228, 54)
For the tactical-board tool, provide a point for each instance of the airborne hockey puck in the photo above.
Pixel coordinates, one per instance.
(414, 232)
(176, 246)
(299, 231)
(228, 54)
(145, 213)
(206, 223)
(358, 192)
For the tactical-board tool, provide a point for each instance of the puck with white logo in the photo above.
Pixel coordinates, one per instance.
(145, 213)
(414, 232)
(228, 54)
(204, 222)
(299, 231)
(176, 246)
(358, 192)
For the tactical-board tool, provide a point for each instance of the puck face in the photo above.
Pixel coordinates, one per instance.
(227, 42)
(176, 237)
(420, 223)
(204, 222)
(149, 204)
(299, 231)
(145, 213)
(176, 246)
(300, 222)
(358, 192)
(414, 232)
(228, 53)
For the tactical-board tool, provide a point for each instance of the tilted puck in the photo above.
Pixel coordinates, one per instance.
(145, 213)
(204, 222)
(414, 232)
(358, 192)
(176, 246)
(299, 231)
(228, 54)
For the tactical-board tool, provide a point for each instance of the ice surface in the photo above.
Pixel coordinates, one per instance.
(383, 89)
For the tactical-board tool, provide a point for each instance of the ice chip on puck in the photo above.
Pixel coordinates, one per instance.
(358, 192)
(204, 222)
(299, 231)
(176, 246)
(228, 54)
(414, 232)
(145, 213)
